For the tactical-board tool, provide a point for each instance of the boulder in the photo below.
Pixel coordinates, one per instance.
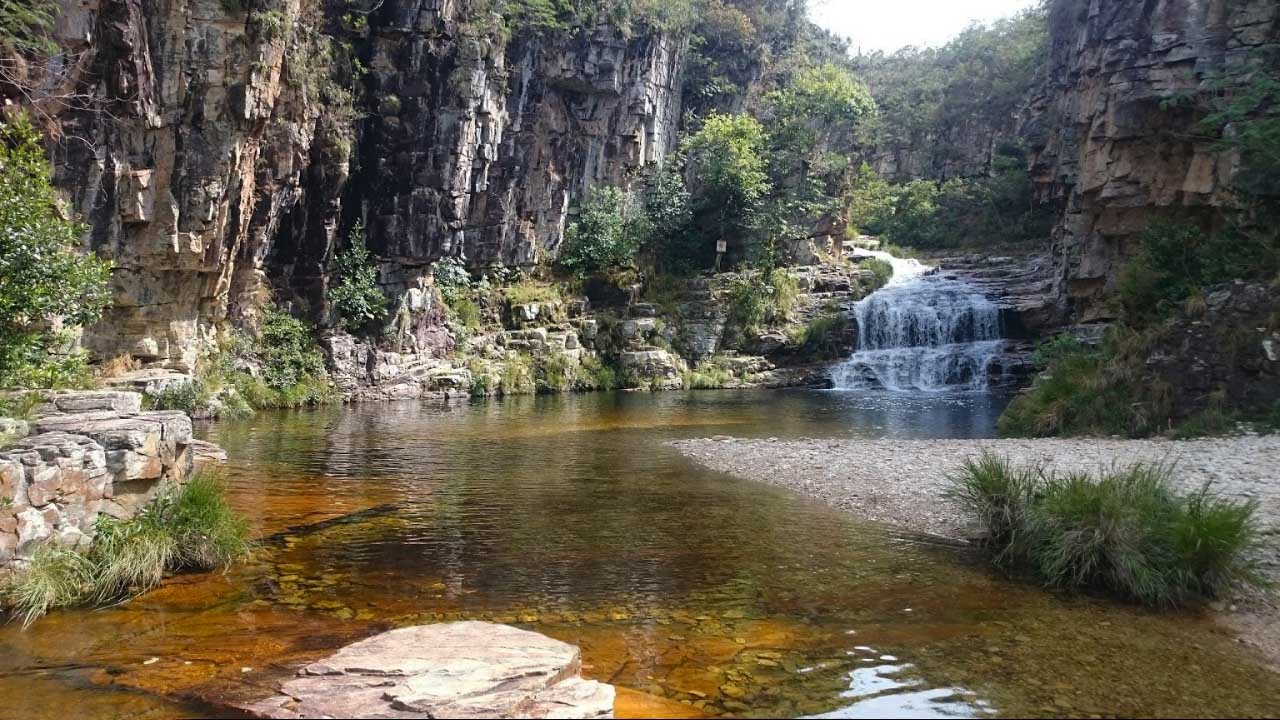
(663, 368)
(456, 670)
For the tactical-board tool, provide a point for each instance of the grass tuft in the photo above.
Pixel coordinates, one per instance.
(1126, 531)
(189, 527)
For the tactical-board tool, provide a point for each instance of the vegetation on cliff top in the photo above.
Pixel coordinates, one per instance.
(1125, 532)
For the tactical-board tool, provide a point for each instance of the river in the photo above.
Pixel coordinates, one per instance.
(569, 516)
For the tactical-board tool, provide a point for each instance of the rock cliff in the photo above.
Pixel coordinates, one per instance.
(1115, 131)
(226, 147)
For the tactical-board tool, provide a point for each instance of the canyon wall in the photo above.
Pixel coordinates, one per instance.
(1115, 131)
(223, 153)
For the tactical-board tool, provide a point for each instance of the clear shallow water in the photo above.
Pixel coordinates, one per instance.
(569, 516)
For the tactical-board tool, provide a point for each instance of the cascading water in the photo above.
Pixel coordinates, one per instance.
(924, 332)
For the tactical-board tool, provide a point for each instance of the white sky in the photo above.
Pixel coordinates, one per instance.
(890, 24)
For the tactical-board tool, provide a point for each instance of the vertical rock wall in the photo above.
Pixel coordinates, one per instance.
(1115, 131)
(213, 167)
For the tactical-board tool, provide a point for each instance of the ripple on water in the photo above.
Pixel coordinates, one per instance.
(569, 517)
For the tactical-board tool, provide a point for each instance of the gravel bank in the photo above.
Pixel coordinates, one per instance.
(900, 482)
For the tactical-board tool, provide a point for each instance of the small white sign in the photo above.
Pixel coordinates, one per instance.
(722, 246)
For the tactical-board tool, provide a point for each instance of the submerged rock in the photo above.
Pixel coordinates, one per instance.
(460, 670)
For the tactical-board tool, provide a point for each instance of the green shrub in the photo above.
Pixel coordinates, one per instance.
(999, 498)
(189, 527)
(43, 274)
(451, 277)
(882, 269)
(554, 373)
(467, 313)
(483, 382)
(708, 377)
(1092, 391)
(54, 577)
(527, 291)
(358, 300)
(189, 397)
(596, 375)
(1177, 260)
(761, 298)
(516, 376)
(28, 26)
(604, 234)
(288, 351)
(1126, 532)
(822, 338)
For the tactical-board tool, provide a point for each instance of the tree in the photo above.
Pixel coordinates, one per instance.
(726, 167)
(821, 105)
(604, 235)
(43, 276)
(357, 298)
(669, 237)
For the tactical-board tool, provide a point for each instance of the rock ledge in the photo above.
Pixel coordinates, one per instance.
(457, 670)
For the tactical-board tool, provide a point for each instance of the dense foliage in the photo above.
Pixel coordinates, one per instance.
(604, 234)
(988, 210)
(357, 299)
(1126, 532)
(44, 279)
(943, 111)
(25, 24)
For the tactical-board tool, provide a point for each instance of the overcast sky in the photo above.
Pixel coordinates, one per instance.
(891, 24)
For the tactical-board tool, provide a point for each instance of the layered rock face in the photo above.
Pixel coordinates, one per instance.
(1115, 135)
(181, 163)
(222, 152)
(92, 453)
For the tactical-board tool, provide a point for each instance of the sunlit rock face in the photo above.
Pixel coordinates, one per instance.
(211, 163)
(1114, 128)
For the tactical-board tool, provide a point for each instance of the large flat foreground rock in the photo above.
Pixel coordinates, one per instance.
(454, 670)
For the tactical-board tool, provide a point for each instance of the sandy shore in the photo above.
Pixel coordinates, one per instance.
(900, 483)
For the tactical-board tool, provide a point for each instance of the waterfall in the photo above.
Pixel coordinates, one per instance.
(922, 332)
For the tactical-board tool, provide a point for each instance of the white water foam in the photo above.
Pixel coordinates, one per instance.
(922, 332)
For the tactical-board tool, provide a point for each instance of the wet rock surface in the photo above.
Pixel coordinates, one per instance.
(462, 669)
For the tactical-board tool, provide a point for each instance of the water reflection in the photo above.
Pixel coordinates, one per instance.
(570, 516)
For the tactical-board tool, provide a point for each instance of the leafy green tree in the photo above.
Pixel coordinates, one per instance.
(42, 273)
(357, 298)
(820, 104)
(870, 202)
(670, 241)
(604, 235)
(725, 162)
